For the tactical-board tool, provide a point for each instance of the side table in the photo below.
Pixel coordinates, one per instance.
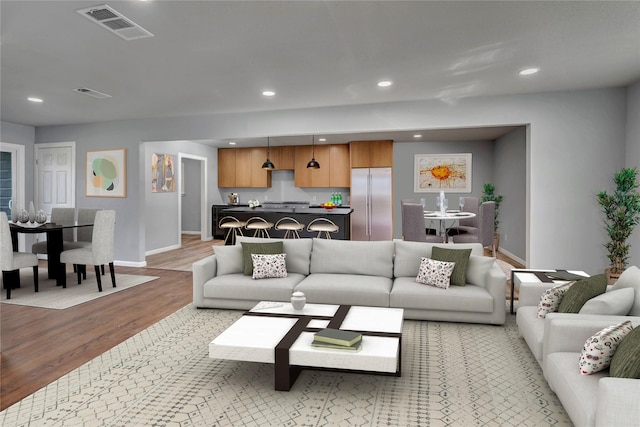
(527, 275)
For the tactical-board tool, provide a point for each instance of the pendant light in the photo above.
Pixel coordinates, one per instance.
(268, 164)
(312, 163)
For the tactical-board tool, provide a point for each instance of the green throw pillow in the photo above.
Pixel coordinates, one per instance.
(625, 362)
(581, 292)
(459, 256)
(270, 248)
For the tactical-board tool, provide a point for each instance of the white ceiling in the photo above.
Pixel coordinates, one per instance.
(210, 57)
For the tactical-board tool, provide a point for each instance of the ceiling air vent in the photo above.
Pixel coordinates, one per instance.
(91, 92)
(115, 22)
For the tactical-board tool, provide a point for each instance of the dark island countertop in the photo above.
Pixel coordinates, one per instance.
(303, 211)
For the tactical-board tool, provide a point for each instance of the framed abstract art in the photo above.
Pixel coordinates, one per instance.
(106, 173)
(442, 172)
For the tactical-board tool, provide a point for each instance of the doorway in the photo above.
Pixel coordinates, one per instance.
(193, 194)
(12, 181)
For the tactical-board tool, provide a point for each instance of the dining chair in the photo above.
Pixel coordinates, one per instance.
(99, 252)
(413, 226)
(484, 233)
(467, 225)
(11, 261)
(61, 216)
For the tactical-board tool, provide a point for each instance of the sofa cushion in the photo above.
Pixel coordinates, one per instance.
(461, 259)
(229, 259)
(614, 302)
(626, 360)
(269, 266)
(551, 298)
(581, 292)
(327, 288)
(435, 273)
(408, 255)
(599, 349)
(353, 257)
(407, 293)
(298, 252)
(630, 278)
(249, 248)
(240, 287)
(478, 268)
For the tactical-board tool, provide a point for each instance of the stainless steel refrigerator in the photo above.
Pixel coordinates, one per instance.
(372, 204)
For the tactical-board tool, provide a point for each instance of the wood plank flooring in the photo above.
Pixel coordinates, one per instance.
(38, 345)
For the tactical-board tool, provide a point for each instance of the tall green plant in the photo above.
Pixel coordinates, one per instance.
(488, 195)
(622, 213)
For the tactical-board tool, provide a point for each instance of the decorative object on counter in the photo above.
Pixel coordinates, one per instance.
(253, 203)
(298, 300)
(488, 195)
(32, 212)
(14, 211)
(41, 217)
(23, 216)
(234, 199)
(268, 164)
(313, 164)
(622, 213)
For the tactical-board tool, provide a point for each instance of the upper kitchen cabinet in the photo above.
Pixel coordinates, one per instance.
(334, 168)
(371, 154)
(243, 168)
(283, 157)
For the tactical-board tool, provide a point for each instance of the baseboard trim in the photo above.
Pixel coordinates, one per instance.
(512, 256)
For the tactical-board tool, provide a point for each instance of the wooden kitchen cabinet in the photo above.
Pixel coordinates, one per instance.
(283, 157)
(226, 167)
(242, 167)
(371, 154)
(334, 166)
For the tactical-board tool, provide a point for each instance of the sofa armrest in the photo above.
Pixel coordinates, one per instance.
(530, 293)
(618, 402)
(567, 332)
(203, 270)
(496, 285)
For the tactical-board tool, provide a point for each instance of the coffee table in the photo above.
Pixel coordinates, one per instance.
(273, 332)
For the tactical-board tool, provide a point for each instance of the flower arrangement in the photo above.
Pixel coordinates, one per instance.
(253, 203)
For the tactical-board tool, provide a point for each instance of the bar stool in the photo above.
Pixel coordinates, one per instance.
(291, 227)
(260, 225)
(233, 227)
(323, 225)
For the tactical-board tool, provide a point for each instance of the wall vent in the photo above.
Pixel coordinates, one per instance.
(91, 92)
(115, 22)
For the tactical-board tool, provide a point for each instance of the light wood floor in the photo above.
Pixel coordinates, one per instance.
(38, 345)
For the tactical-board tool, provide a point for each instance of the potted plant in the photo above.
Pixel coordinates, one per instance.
(489, 195)
(621, 211)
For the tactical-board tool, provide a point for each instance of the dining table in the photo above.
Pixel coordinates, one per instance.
(55, 269)
(450, 215)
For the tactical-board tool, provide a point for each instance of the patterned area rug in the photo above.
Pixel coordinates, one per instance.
(51, 296)
(453, 375)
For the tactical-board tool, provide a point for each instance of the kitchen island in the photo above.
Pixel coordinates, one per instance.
(304, 214)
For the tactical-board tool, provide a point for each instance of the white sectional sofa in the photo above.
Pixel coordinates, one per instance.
(557, 340)
(357, 273)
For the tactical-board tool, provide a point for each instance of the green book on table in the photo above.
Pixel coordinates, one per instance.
(564, 275)
(321, 344)
(337, 337)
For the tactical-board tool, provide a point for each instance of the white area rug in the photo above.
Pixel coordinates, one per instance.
(453, 374)
(52, 296)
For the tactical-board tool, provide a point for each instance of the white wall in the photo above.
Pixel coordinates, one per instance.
(632, 156)
(576, 141)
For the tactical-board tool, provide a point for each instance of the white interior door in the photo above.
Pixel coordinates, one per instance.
(55, 175)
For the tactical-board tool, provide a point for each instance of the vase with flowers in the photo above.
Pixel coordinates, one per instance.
(253, 203)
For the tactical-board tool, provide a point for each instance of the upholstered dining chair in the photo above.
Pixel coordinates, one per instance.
(467, 225)
(484, 234)
(100, 251)
(413, 228)
(61, 216)
(11, 262)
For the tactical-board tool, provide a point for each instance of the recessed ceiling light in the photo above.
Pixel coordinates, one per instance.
(232, 143)
(268, 93)
(417, 135)
(385, 83)
(529, 71)
(34, 99)
(322, 139)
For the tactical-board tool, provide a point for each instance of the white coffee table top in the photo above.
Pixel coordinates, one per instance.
(253, 338)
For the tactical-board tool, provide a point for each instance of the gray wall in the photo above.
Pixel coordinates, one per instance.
(632, 156)
(22, 135)
(191, 196)
(563, 126)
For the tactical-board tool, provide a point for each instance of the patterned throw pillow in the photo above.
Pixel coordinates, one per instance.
(435, 273)
(551, 298)
(269, 266)
(599, 349)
